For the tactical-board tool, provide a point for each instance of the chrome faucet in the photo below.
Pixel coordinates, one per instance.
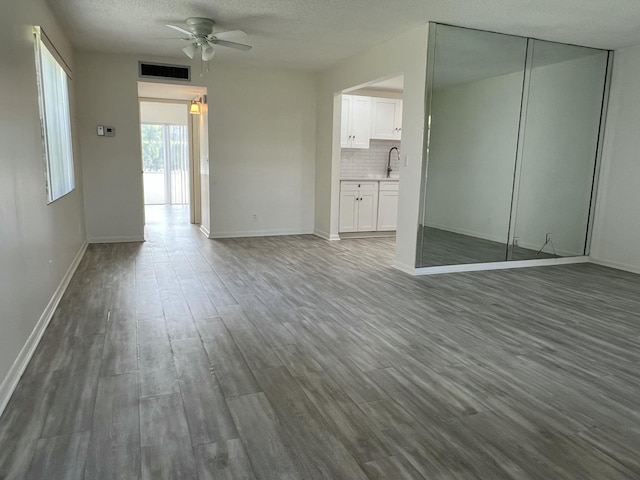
(389, 160)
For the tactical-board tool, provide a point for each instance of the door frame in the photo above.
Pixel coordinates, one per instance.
(193, 135)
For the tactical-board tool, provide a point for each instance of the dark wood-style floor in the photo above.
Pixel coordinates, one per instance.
(298, 358)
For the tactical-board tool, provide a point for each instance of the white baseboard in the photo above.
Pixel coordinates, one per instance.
(260, 233)
(476, 267)
(616, 265)
(326, 236)
(117, 239)
(410, 269)
(10, 382)
(205, 231)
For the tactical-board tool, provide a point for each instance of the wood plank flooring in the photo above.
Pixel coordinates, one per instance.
(297, 358)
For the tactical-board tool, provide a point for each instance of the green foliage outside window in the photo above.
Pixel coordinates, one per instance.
(152, 148)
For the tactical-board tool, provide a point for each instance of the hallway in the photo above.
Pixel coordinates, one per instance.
(293, 357)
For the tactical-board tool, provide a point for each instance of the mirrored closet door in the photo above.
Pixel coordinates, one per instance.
(510, 154)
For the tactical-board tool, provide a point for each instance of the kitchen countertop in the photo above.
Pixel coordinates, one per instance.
(375, 178)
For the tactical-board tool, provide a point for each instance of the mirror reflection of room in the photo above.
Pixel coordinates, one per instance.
(514, 128)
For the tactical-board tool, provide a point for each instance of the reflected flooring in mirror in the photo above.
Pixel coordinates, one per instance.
(442, 247)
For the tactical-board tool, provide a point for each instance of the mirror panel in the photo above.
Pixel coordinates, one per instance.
(556, 165)
(475, 99)
(511, 150)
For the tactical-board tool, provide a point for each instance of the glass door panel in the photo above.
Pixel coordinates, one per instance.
(165, 161)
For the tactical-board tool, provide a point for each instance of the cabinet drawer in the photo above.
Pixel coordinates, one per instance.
(359, 186)
(368, 186)
(388, 186)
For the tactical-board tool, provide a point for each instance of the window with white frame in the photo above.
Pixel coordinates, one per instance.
(53, 95)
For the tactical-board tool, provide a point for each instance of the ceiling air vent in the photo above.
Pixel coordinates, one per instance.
(162, 70)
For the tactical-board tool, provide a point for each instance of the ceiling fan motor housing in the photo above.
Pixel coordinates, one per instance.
(200, 27)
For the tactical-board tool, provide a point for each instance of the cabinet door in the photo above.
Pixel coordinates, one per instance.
(345, 135)
(360, 122)
(367, 210)
(384, 115)
(398, 122)
(348, 211)
(387, 210)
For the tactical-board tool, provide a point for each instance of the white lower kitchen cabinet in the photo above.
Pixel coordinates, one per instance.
(358, 206)
(387, 206)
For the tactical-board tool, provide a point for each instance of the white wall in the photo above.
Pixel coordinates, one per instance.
(112, 166)
(262, 142)
(474, 135)
(616, 238)
(261, 148)
(38, 242)
(405, 54)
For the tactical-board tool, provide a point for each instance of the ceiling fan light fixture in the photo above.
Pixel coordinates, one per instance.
(207, 52)
(190, 50)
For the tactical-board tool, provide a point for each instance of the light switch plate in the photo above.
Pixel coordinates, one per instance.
(100, 130)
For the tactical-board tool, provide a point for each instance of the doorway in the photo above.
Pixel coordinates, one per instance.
(171, 136)
(165, 153)
(368, 159)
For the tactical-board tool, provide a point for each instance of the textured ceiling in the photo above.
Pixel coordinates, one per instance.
(314, 34)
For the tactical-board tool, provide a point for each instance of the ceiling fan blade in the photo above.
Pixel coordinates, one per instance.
(180, 29)
(226, 43)
(229, 34)
(207, 52)
(190, 50)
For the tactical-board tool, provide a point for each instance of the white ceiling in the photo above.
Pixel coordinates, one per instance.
(314, 34)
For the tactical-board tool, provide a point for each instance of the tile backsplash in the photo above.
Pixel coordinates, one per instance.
(363, 163)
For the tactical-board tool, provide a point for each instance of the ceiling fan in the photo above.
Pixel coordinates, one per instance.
(200, 36)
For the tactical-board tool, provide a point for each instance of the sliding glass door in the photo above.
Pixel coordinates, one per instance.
(165, 160)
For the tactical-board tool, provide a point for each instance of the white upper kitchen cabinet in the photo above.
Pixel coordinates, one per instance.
(355, 129)
(386, 119)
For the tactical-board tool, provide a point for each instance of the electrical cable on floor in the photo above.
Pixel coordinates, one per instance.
(548, 241)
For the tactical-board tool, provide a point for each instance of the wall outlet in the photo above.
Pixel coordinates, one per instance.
(515, 241)
(254, 217)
